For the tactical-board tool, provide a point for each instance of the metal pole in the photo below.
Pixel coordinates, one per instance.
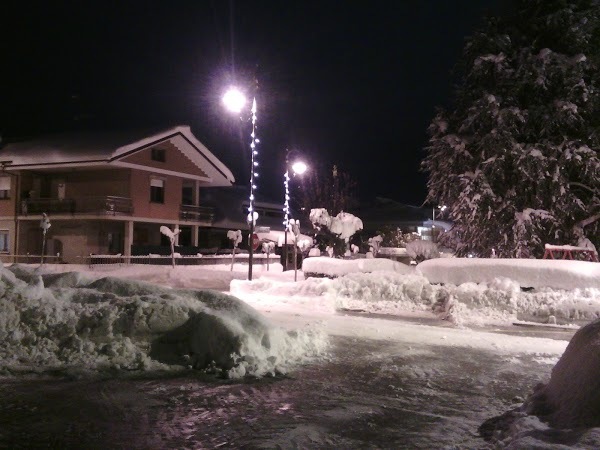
(286, 222)
(285, 250)
(251, 252)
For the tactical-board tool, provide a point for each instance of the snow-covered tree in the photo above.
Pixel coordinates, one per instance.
(235, 236)
(268, 247)
(172, 235)
(516, 159)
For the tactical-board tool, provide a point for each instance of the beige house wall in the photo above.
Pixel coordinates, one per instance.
(140, 196)
(113, 182)
(175, 160)
(7, 206)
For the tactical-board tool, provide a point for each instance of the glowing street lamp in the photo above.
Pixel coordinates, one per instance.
(234, 100)
(298, 168)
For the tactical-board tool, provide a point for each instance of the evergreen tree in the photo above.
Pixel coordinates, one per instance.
(517, 158)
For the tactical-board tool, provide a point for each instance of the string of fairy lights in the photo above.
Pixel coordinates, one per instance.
(286, 204)
(252, 215)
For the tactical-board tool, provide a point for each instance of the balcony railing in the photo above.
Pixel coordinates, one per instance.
(197, 213)
(110, 205)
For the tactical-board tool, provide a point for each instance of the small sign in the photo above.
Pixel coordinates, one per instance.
(255, 241)
(263, 229)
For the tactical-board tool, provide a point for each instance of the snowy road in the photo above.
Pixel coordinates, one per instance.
(415, 387)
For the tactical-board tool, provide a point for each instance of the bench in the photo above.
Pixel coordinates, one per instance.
(568, 251)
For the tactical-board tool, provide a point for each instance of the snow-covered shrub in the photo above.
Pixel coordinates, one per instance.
(395, 237)
(335, 231)
(375, 244)
(420, 250)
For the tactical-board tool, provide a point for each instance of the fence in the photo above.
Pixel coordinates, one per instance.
(164, 260)
(30, 259)
(158, 260)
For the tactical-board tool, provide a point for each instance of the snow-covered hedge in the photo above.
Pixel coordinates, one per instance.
(534, 273)
(333, 267)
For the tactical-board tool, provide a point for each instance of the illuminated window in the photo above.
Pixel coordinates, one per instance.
(4, 187)
(159, 154)
(157, 190)
(4, 241)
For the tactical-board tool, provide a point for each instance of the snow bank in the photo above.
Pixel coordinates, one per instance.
(334, 267)
(499, 302)
(569, 401)
(534, 273)
(67, 321)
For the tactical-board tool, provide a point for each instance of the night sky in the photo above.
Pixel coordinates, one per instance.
(347, 83)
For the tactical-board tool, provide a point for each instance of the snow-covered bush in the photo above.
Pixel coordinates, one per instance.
(375, 244)
(335, 231)
(420, 250)
(395, 237)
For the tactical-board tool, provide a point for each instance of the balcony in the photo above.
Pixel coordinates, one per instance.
(105, 205)
(197, 213)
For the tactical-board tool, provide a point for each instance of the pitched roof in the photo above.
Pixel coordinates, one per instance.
(108, 147)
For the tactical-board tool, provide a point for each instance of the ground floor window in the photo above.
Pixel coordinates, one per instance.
(4, 241)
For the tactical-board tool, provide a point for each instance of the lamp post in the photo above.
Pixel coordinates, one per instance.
(235, 101)
(298, 168)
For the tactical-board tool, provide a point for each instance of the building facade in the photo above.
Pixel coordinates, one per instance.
(105, 193)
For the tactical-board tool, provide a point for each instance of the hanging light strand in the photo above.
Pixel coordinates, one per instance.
(286, 204)
(253, 170)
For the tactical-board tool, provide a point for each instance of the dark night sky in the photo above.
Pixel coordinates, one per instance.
(350, 83)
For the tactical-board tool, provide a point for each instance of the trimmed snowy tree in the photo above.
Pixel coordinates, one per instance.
(172, 235)
(516, 161)
(235, 236)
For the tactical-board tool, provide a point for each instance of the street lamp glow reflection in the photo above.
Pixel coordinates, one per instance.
(234, 100)
(299, 167)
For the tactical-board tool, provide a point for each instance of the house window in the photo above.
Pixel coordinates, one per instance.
(4, 241)
(4, 187)
(159, 154)
(157, 190)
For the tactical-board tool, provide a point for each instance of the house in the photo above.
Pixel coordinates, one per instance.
(384, 213)
(105, 193)
(231, 210)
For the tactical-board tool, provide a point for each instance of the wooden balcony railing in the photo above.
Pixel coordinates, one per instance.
(80, 205)
(197, 213)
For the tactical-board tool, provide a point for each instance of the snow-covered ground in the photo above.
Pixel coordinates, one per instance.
(113, 318)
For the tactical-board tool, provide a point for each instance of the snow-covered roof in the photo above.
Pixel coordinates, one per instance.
(386, 212)
(80, 149)
(231, 204)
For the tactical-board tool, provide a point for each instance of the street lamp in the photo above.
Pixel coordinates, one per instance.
(234, 100)
(298, 168)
